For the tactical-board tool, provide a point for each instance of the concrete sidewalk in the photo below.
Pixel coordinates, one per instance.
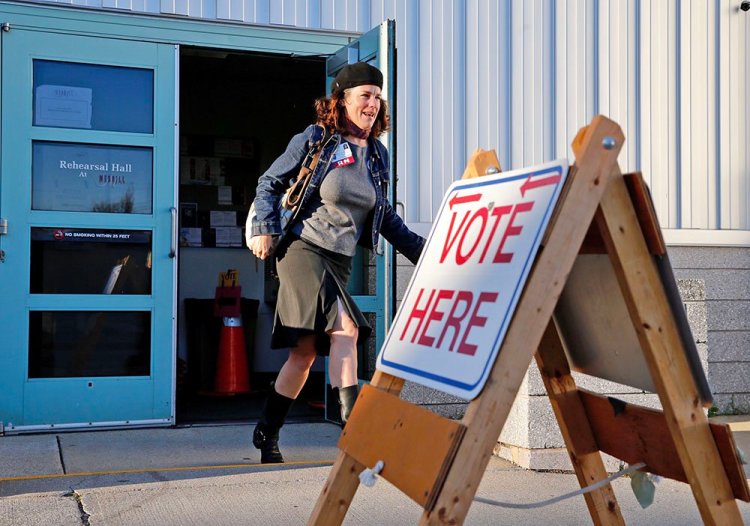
(211, 475)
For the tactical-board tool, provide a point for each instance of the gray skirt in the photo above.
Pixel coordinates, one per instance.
(311, 279)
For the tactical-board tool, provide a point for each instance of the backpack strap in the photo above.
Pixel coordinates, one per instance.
(295, 192)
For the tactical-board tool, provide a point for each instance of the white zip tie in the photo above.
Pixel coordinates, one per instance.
(582, 491)
(369, 476)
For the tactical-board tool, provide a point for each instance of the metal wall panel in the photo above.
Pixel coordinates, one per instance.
(673, 73)
(522, 76)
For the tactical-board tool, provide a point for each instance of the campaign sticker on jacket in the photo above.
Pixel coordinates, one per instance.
(342, 156)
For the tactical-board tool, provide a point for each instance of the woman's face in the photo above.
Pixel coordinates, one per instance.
(362, 105)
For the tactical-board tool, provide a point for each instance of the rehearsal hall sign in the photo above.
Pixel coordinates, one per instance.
(461, 298)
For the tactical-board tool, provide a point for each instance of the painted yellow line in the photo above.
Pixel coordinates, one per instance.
(152, 470)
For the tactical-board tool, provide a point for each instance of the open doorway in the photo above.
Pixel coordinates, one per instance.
(237, 113)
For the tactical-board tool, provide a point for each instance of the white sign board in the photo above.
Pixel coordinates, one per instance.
(461, 298)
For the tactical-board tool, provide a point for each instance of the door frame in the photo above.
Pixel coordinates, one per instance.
(378, 45)
(227, 35)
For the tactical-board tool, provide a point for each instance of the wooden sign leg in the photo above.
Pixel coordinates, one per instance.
(343, 480)
(657, 332)
(338, 492)
(575, 428)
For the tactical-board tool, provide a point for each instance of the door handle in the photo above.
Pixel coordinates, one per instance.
(3, 232)
(173, 244)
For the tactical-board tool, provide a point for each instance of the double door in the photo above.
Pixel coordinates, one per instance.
(87, 189)
(88, 230)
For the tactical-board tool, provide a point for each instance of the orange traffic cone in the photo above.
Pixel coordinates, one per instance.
(231, 370)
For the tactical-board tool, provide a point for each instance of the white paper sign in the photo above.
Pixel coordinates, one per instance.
(228, 237)
(223, 218)
(191, 237)
(64, 106)
(224, 194)
(457, 308)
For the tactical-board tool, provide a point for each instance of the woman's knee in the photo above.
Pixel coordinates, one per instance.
(303, 356)
(345, 327)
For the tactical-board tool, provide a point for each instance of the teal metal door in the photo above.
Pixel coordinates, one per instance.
(373, 276)
(87, 186)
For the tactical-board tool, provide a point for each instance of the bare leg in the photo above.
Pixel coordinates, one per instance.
(296, 369)
(342, 365)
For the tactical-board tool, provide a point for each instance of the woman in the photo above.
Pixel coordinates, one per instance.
(347, 205)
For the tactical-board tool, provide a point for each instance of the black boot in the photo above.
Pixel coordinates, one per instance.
(266, 433)
(347, 397)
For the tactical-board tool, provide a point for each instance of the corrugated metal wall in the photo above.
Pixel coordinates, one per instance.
(521, 76)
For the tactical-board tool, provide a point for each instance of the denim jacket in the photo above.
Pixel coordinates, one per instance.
(382, 219)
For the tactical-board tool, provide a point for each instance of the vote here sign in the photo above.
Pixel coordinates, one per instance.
(461, 298)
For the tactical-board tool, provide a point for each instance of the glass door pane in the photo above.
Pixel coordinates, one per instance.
(93, 96)
(76, 344)
(90, 261)
(76, 177)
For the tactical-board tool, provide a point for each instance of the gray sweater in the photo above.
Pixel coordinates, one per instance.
(337, 214)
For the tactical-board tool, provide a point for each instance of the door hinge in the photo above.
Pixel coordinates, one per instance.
(2, 429)
(5, 26)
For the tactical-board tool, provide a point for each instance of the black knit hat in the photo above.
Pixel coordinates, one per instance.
(357, 74)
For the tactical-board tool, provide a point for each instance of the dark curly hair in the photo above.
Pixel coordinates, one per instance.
(332, 115)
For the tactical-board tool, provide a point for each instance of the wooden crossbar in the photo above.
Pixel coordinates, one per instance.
(416, 445)
(640, 434)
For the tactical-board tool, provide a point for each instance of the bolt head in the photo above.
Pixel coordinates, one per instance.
(609, 143)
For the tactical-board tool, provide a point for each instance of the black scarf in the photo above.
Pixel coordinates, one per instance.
(356, 131)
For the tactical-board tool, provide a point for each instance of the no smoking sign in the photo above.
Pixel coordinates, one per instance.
(461, 298)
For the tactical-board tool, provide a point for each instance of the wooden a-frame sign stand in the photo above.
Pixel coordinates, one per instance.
(439, 462)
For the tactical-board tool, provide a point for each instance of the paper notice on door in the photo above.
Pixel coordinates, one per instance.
(225, 195)
(223, 218)
(191, 237)
(63, 106)
(228, 237)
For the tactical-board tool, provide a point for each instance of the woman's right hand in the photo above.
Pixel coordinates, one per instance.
(263, 246)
